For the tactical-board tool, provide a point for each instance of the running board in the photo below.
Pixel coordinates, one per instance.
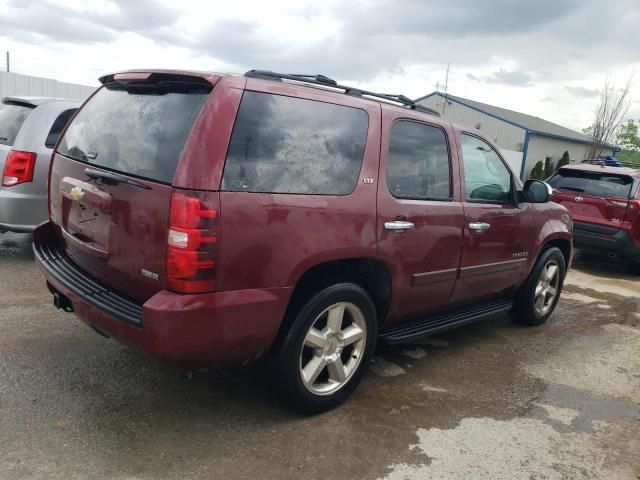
(406, 331)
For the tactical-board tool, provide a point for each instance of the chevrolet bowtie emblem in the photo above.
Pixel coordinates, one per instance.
(76, 194)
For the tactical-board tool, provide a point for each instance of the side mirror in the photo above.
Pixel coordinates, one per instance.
(537, 191)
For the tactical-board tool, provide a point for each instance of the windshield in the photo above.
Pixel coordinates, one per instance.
(11, 119)
(140, 132)
(592, 183)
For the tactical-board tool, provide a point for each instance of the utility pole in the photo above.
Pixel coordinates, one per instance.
(8, 69)
(446, 87)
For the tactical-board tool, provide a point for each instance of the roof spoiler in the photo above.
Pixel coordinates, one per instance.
(20, 102)
(154, 77)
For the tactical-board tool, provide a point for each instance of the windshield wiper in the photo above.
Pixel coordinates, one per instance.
(112, 178)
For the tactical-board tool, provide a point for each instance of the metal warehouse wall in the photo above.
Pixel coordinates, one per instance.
(541, 147)
(505, 135)
(18, 84)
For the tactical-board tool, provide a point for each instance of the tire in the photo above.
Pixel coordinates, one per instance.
(528, 309)
(318, 370)
(634, 267)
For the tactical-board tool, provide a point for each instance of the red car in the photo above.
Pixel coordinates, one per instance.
(605, 204)
(212, 219)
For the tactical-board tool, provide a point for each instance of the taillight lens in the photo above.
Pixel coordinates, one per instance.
(192, 243)
(18, 168)
(618, 202)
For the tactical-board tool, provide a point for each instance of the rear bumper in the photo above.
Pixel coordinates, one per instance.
(20, 211)
(192, 331)
(594, 238)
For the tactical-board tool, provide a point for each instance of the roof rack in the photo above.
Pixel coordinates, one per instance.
(331, 83)
(612, 163)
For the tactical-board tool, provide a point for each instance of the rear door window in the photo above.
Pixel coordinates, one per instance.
(595, 184)
(11, 119)
(57, 127)
(140, 132)
(418, 163)
(292, 145)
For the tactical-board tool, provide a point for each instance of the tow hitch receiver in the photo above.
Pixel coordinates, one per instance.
(62, 302)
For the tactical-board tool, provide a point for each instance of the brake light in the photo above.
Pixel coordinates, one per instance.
(618, 202)
(192, 243)
(18, 168)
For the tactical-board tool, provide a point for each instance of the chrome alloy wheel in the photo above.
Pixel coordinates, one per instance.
(547, 288)
(333, 348)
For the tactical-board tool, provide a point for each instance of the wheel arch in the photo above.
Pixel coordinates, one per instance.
(372, 274)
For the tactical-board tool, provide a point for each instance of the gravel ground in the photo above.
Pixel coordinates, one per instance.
(491, 400)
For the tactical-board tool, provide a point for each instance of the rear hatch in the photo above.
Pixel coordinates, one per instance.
(12, 116)
(598, 201)
(110, 186)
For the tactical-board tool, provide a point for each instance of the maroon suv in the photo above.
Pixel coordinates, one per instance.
(605, 204)
(212, 219)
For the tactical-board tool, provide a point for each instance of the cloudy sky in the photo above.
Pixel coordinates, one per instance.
(546, 58)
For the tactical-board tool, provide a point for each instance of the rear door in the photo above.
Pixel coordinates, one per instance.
(498, 232)
(419, 220)
(110, 187)
(597, 200)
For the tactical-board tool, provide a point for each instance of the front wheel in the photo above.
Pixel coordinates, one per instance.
(323, 356)
(539, 296)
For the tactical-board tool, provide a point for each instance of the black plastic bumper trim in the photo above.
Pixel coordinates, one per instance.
(55, 261)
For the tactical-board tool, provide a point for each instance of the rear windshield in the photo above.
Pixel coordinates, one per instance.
(11, 119)
(140, 132)
(592, 183)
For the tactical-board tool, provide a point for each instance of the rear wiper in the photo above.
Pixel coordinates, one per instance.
(112, 179)
(573, 189)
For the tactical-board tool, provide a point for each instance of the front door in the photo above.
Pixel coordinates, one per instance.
(498, 232)
(419, 223)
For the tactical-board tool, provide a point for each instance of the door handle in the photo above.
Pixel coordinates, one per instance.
(398, 225)
(479, 226)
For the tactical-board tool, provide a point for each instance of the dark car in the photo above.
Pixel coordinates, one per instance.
(212, 219)
(605, 204)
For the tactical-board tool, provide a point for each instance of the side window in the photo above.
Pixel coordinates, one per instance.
(291, 145)
(486, 178)
(57, 127)
(418, 164)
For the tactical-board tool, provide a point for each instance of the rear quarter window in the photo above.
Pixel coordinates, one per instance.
(11, 119)
(140, 132)
(595, 184)
(290, 145)
(57, 127)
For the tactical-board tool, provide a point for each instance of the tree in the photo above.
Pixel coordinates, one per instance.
(564, 160)
(549, 167)
(613, 106)
(628, 136)
(536, 171)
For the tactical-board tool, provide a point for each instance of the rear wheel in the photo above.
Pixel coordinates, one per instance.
(634, 266)
(539, 296)
(323, 356)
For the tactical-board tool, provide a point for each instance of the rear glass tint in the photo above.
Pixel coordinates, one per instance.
(592, 183)
(11, 119)
(141, 133)
(292, 145)
(57, 127)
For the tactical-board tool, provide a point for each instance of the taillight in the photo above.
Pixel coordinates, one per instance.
(18, 168)
(192, 243)
(618, 202)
